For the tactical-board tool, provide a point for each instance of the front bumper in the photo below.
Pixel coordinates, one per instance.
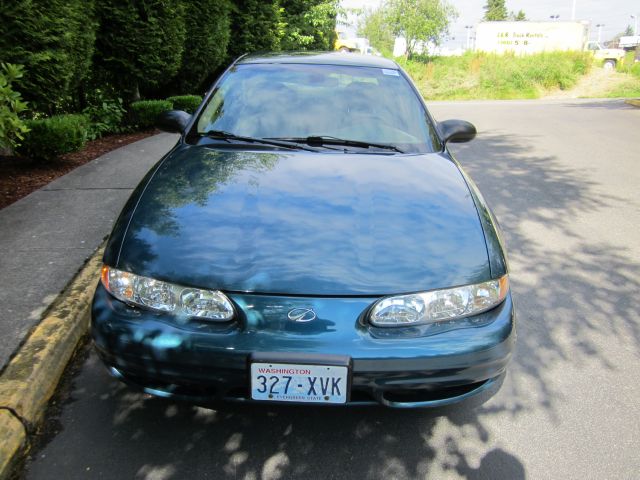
(398, 367)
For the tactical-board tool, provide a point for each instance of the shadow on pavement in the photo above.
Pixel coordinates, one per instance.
(126, 434)
(613, 104)
(570, 293)
(570, 290)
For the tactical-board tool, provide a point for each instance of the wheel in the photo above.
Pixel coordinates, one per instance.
(609, 64)
(344, 50)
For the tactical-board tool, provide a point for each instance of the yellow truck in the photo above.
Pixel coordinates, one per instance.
(345, 44)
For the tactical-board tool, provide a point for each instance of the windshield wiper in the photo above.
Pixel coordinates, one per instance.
(318, 141)
(222, 135)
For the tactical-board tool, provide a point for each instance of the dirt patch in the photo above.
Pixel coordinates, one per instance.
(21, 176)
(595, 84)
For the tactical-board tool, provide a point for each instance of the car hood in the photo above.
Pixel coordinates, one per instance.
(303, 223)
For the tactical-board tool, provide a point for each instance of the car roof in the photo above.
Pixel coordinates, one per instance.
(321, 58)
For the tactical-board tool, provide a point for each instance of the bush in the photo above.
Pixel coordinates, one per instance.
(188, 103)
(105, 115)
(629, 65)
(12, 128)
(145, 113)
(48, 138)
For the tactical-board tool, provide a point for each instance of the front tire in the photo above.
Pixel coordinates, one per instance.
(344, 50)
(609, 65)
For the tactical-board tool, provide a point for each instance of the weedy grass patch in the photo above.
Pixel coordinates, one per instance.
(496, 77)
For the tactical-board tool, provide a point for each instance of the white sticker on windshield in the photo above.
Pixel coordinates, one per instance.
(393, 73)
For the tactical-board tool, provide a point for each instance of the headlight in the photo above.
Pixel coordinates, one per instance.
(439, 305)
(167, 297)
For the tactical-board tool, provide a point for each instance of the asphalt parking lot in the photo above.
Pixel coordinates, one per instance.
(563, 179)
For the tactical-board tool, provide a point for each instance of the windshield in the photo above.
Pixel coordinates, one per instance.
(364, 104)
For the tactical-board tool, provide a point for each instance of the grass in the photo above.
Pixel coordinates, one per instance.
(628, 89)
(487, 77)
(629, 65)
(631, 87)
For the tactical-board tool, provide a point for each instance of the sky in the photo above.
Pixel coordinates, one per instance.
(614, 14)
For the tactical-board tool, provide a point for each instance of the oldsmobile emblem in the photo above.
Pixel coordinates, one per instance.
(301, 315)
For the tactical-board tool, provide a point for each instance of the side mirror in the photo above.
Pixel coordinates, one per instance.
(457, 131)
(173, 121)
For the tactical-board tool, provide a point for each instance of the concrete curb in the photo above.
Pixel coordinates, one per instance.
(32, 376)
(12, 441)
(634, 102)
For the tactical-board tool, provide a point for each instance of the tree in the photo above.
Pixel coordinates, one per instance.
(257, 26)
(54, 40)
(518, 17)
(419, 21)
(139, 43)
(208, 38)
(310, 24)
(495, 11)
(373, 26)
(12, 127)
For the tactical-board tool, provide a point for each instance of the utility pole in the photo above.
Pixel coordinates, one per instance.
(600, 25)
(573, 11)
(468, 27)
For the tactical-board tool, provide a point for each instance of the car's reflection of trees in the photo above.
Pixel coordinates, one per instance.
(140, 250)
(192, 180)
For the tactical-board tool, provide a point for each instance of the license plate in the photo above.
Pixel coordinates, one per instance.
(289, 382)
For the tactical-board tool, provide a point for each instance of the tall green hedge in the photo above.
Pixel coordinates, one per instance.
(54, 40)
(139, 43)
(257, 26)
(130, 49)
(207, 41)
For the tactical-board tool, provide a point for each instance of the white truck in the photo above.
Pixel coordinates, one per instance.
(629, 42)
(609, 56)
(523, 38)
